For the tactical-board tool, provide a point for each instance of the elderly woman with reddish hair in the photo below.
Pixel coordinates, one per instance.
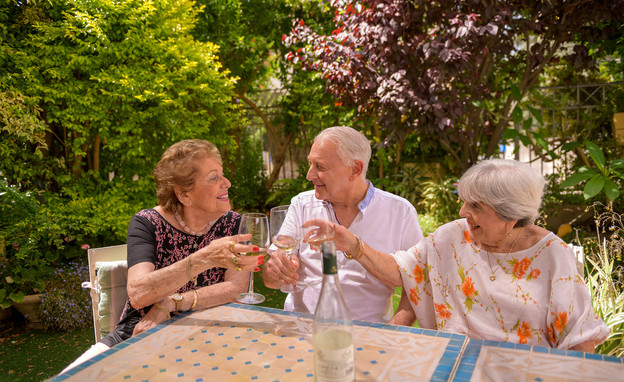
(183, 253)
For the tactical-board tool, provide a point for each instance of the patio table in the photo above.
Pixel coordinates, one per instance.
(237, 342)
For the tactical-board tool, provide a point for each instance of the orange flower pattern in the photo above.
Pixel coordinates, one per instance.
(520, 267)
(534, 300)
(468, 287)
(534, 273)
(442, 311)
(561, 321)
(524, 333)
(413, 296)
(467, 236)
(418, 274)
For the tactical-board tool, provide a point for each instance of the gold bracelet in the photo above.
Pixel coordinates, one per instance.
(358, 250)
(194, 300)
(188, 271)
(156, 304)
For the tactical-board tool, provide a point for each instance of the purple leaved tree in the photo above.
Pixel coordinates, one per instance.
(452, 71)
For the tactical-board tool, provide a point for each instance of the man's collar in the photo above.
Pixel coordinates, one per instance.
(369, 196)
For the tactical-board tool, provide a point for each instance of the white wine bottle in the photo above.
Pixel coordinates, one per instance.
(334, 358)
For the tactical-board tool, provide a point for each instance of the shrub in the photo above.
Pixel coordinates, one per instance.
(65, 305)
(408, 183)
(440, 200)
(604, 276)
(428, 223)
(39, 231)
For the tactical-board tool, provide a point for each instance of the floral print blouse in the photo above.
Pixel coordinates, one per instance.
(537, 297)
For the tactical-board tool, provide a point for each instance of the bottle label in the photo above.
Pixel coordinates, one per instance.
(334, 359)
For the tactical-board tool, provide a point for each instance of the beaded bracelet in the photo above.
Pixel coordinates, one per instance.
(358, 250)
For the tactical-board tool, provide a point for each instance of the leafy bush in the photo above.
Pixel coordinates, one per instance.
(605, 275)
(41, 231)
(440, 200)
(428, 223)
(23, 266)
(248, 192)
(408, 183)
(65, 305)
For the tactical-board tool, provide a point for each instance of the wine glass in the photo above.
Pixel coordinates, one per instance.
(285, 235)
(315, 235)
(258, 226)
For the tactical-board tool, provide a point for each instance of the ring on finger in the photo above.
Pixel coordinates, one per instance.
(237, 266)
(231, 247)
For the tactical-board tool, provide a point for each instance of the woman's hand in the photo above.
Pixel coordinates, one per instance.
(154, 317)
(280, 270)
(344, 239)
(226, 252)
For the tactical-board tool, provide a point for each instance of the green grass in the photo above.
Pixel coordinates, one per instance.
(34, 355)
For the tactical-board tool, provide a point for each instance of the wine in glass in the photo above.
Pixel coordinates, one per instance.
(285, 235)
(258, 226)
(316, 235)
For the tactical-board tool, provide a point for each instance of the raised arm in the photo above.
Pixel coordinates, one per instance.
(379, 264)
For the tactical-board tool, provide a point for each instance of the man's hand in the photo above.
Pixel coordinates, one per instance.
(280, 270)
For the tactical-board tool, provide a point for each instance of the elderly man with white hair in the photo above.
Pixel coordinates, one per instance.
(338, 163)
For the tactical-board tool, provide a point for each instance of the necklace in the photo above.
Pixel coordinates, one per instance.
(492, 277)
(187, 229)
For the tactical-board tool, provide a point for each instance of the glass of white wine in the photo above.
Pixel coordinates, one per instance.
(258, 226)
(285, 235)
(315, 235)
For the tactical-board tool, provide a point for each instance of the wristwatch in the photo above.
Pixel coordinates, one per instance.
(177, 298)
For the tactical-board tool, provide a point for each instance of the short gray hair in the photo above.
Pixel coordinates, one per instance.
(352, 145)
(513, 189)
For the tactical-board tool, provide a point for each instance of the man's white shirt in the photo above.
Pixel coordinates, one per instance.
(387, 223)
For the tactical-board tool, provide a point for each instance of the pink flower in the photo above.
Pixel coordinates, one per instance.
(85, 246)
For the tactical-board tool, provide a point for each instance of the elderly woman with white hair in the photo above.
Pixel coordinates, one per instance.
(494, 274)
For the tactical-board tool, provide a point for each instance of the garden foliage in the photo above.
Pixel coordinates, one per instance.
(446, 69)
(64, 305)
(91, 94)
(605, 275)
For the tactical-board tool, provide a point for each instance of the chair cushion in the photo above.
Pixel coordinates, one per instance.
(112, 279)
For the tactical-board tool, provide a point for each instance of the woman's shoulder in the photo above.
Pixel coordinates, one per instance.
(454, 227)
(227, 224)
(149, 215)
(231, 216)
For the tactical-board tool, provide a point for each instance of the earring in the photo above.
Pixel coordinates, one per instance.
(188, 204)
(509, 233)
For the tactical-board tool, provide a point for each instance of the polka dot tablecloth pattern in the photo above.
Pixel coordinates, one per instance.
(250, 343)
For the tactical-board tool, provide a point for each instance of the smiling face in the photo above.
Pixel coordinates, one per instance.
(331, 178)
(486, 226)
(210, 192)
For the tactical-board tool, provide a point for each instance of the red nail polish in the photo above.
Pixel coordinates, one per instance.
(255, 249)
(260, 262)
(261, 257)
(257, 269)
